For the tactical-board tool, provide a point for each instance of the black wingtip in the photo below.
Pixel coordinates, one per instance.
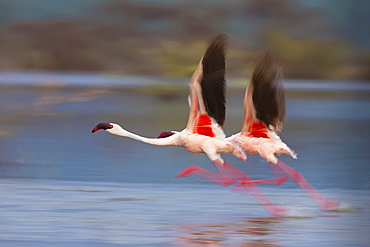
(213, 81)
(268, 90)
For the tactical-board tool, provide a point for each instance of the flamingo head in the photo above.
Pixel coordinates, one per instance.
(165, 134)
(103, 126)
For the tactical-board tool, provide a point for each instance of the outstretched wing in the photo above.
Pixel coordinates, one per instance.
(207, 91)
(265, 97)
(213, 82)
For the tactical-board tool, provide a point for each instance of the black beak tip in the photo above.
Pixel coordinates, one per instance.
(93, 131)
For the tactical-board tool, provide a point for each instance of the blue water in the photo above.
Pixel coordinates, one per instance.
(60, 185)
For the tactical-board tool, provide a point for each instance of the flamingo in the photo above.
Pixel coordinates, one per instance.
(203, 132)
(264, 112)
(264, 109)
(264, 116)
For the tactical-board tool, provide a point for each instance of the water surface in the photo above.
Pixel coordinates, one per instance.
(62, 185)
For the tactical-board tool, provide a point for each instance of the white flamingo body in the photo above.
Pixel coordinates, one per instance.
(265, 147)
(211, 146)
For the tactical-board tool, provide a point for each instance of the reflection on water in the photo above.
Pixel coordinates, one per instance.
(62, 185)
(258, 231)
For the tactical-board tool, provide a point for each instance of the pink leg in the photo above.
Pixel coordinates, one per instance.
(246, 184)
(260, 197)
(280, 176)
(228, 175)
(324, 203)
(271, 181)
(228, 170)
(208, 175)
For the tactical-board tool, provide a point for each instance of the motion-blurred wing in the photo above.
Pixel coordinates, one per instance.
(265, 97)
(207, 91)
(213, 84)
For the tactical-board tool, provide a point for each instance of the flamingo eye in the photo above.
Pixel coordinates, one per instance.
(111, 126)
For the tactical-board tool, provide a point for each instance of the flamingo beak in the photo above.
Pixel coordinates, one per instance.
(103, 126)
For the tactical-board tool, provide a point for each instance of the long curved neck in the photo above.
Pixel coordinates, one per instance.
(169, 141)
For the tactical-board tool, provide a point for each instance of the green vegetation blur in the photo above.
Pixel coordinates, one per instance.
(167, 38)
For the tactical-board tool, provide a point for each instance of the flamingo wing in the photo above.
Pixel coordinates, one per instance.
(207, 91)
(264, 102)
(213, 82)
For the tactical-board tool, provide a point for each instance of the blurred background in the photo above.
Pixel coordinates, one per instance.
(316, 39)
(67, 65)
